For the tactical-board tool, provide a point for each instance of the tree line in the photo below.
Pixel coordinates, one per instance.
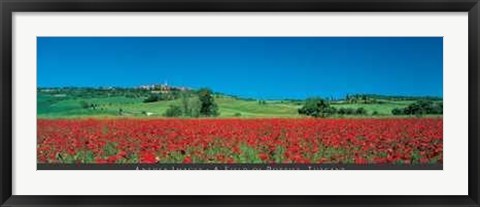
(421, 107)
(318, 107)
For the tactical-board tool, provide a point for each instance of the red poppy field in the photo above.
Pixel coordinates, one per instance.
(308, 140)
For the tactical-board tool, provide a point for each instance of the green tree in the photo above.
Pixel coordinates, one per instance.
(262, 102)
(173, 111)
(151, 98)
(186, 109)
(397, 111)
(194, 106)
(361, 111)
(84, 104)
(208, 106)
(317, 107)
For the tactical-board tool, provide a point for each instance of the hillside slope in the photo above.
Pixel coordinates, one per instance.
(49, 106)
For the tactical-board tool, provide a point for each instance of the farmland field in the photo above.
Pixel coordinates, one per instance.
(306, 140)
(244, 131)
(52, 106)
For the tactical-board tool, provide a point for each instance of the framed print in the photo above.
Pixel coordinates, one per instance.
(243, 103)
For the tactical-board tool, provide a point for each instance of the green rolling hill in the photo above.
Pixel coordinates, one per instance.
(70, 106)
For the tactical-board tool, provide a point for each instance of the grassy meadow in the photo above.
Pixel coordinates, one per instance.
(61, 104)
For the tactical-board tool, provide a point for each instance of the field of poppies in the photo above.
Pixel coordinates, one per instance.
(305, 140)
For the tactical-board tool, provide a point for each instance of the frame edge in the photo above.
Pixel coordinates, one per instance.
(8, 7)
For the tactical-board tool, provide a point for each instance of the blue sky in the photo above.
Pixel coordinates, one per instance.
(257, 67)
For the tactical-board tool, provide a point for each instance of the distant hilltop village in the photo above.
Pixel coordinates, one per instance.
(152, 88)
(163, 88)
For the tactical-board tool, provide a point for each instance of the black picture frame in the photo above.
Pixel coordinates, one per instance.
(9, 6)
